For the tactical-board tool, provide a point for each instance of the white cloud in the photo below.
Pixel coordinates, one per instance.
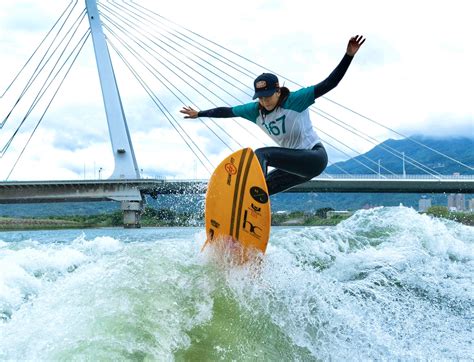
(414, 74)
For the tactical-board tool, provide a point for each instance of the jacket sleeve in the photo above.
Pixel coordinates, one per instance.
(220, 112)
(334, 78)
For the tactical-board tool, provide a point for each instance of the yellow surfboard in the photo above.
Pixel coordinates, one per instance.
(237, 203)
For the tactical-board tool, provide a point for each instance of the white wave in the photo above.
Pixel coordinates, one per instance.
(23, 272)
(99, 245)
(144, 297)
(386, 282)
(27, 265)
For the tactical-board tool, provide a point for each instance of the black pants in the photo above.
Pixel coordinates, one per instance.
(292, 167)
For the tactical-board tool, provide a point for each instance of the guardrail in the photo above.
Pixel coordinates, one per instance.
(394, 177)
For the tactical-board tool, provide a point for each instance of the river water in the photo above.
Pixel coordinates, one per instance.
(387, 283)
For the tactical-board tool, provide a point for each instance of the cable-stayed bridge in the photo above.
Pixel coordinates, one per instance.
(133, 189)
(175, 66)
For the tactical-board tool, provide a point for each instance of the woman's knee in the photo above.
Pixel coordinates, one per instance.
(321, 163)
(264, 152)
(316, 168)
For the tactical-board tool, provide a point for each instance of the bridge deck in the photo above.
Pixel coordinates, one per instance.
(132, 190)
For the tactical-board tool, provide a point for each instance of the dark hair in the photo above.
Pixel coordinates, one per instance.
(284, 93)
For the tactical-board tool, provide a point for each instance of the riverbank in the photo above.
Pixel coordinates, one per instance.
(151, 218)
(166, 218)
(7, 223)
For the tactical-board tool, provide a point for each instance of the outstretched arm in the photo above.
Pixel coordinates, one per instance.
(338, 73)
(220, 112)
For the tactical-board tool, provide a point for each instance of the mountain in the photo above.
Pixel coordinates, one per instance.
(389, 154)
(459, 148)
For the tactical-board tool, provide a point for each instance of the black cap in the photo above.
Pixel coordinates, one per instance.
(265, 85)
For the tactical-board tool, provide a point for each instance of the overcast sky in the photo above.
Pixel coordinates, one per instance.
(413, 74)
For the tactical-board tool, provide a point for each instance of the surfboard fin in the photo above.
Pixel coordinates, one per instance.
(207, 241)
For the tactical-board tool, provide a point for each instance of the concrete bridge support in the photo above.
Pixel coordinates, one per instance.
(132, 211)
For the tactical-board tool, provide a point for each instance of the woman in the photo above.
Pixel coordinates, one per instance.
(284, 116)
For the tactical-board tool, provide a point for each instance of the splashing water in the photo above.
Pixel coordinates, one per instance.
(387, 283)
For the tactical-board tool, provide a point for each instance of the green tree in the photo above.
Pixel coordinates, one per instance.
(323, 212)
(438, 211)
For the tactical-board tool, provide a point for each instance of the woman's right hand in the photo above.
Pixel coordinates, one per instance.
(354, 44)
(189, 112)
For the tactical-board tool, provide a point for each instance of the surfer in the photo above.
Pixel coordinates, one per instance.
(284, 116)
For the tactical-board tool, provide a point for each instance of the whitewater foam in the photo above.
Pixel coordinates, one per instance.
(387, 283)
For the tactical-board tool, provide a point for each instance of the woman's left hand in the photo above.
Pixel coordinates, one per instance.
(354, 44)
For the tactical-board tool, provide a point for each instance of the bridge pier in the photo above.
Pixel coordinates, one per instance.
(131, 214)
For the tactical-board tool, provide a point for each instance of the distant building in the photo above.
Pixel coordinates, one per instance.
(471, 205)
(424, 205)
(460, 202)
(456, 202)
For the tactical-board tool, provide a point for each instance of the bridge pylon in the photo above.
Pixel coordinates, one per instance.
(124, 157)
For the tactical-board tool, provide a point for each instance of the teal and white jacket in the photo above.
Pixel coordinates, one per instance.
(289, 124)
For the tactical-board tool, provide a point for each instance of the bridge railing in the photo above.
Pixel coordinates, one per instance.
(394, 177)
(325, 176)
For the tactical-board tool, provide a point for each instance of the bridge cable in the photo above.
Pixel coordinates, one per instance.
(201, 45)
(147, 66)
(390, 149)
(245, 85)
(355, 151)
(194, 70)
(83, 40)
(328, 119)
(162, 108)
(387, 148)
(37, 70)
(44, 88)
(357, 134)
(325, 174)
(362, 135)
(37, 48)
(402, 135)
(185, 55)
(141, 20)
(141, 60)
(351, 149)
(199, 91)
(335, 164)
(326, 98)
(184, 80)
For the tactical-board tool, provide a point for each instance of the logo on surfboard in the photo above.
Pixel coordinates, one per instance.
(251, 227)
(258, 194)
(230, 168)
(255, 208)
